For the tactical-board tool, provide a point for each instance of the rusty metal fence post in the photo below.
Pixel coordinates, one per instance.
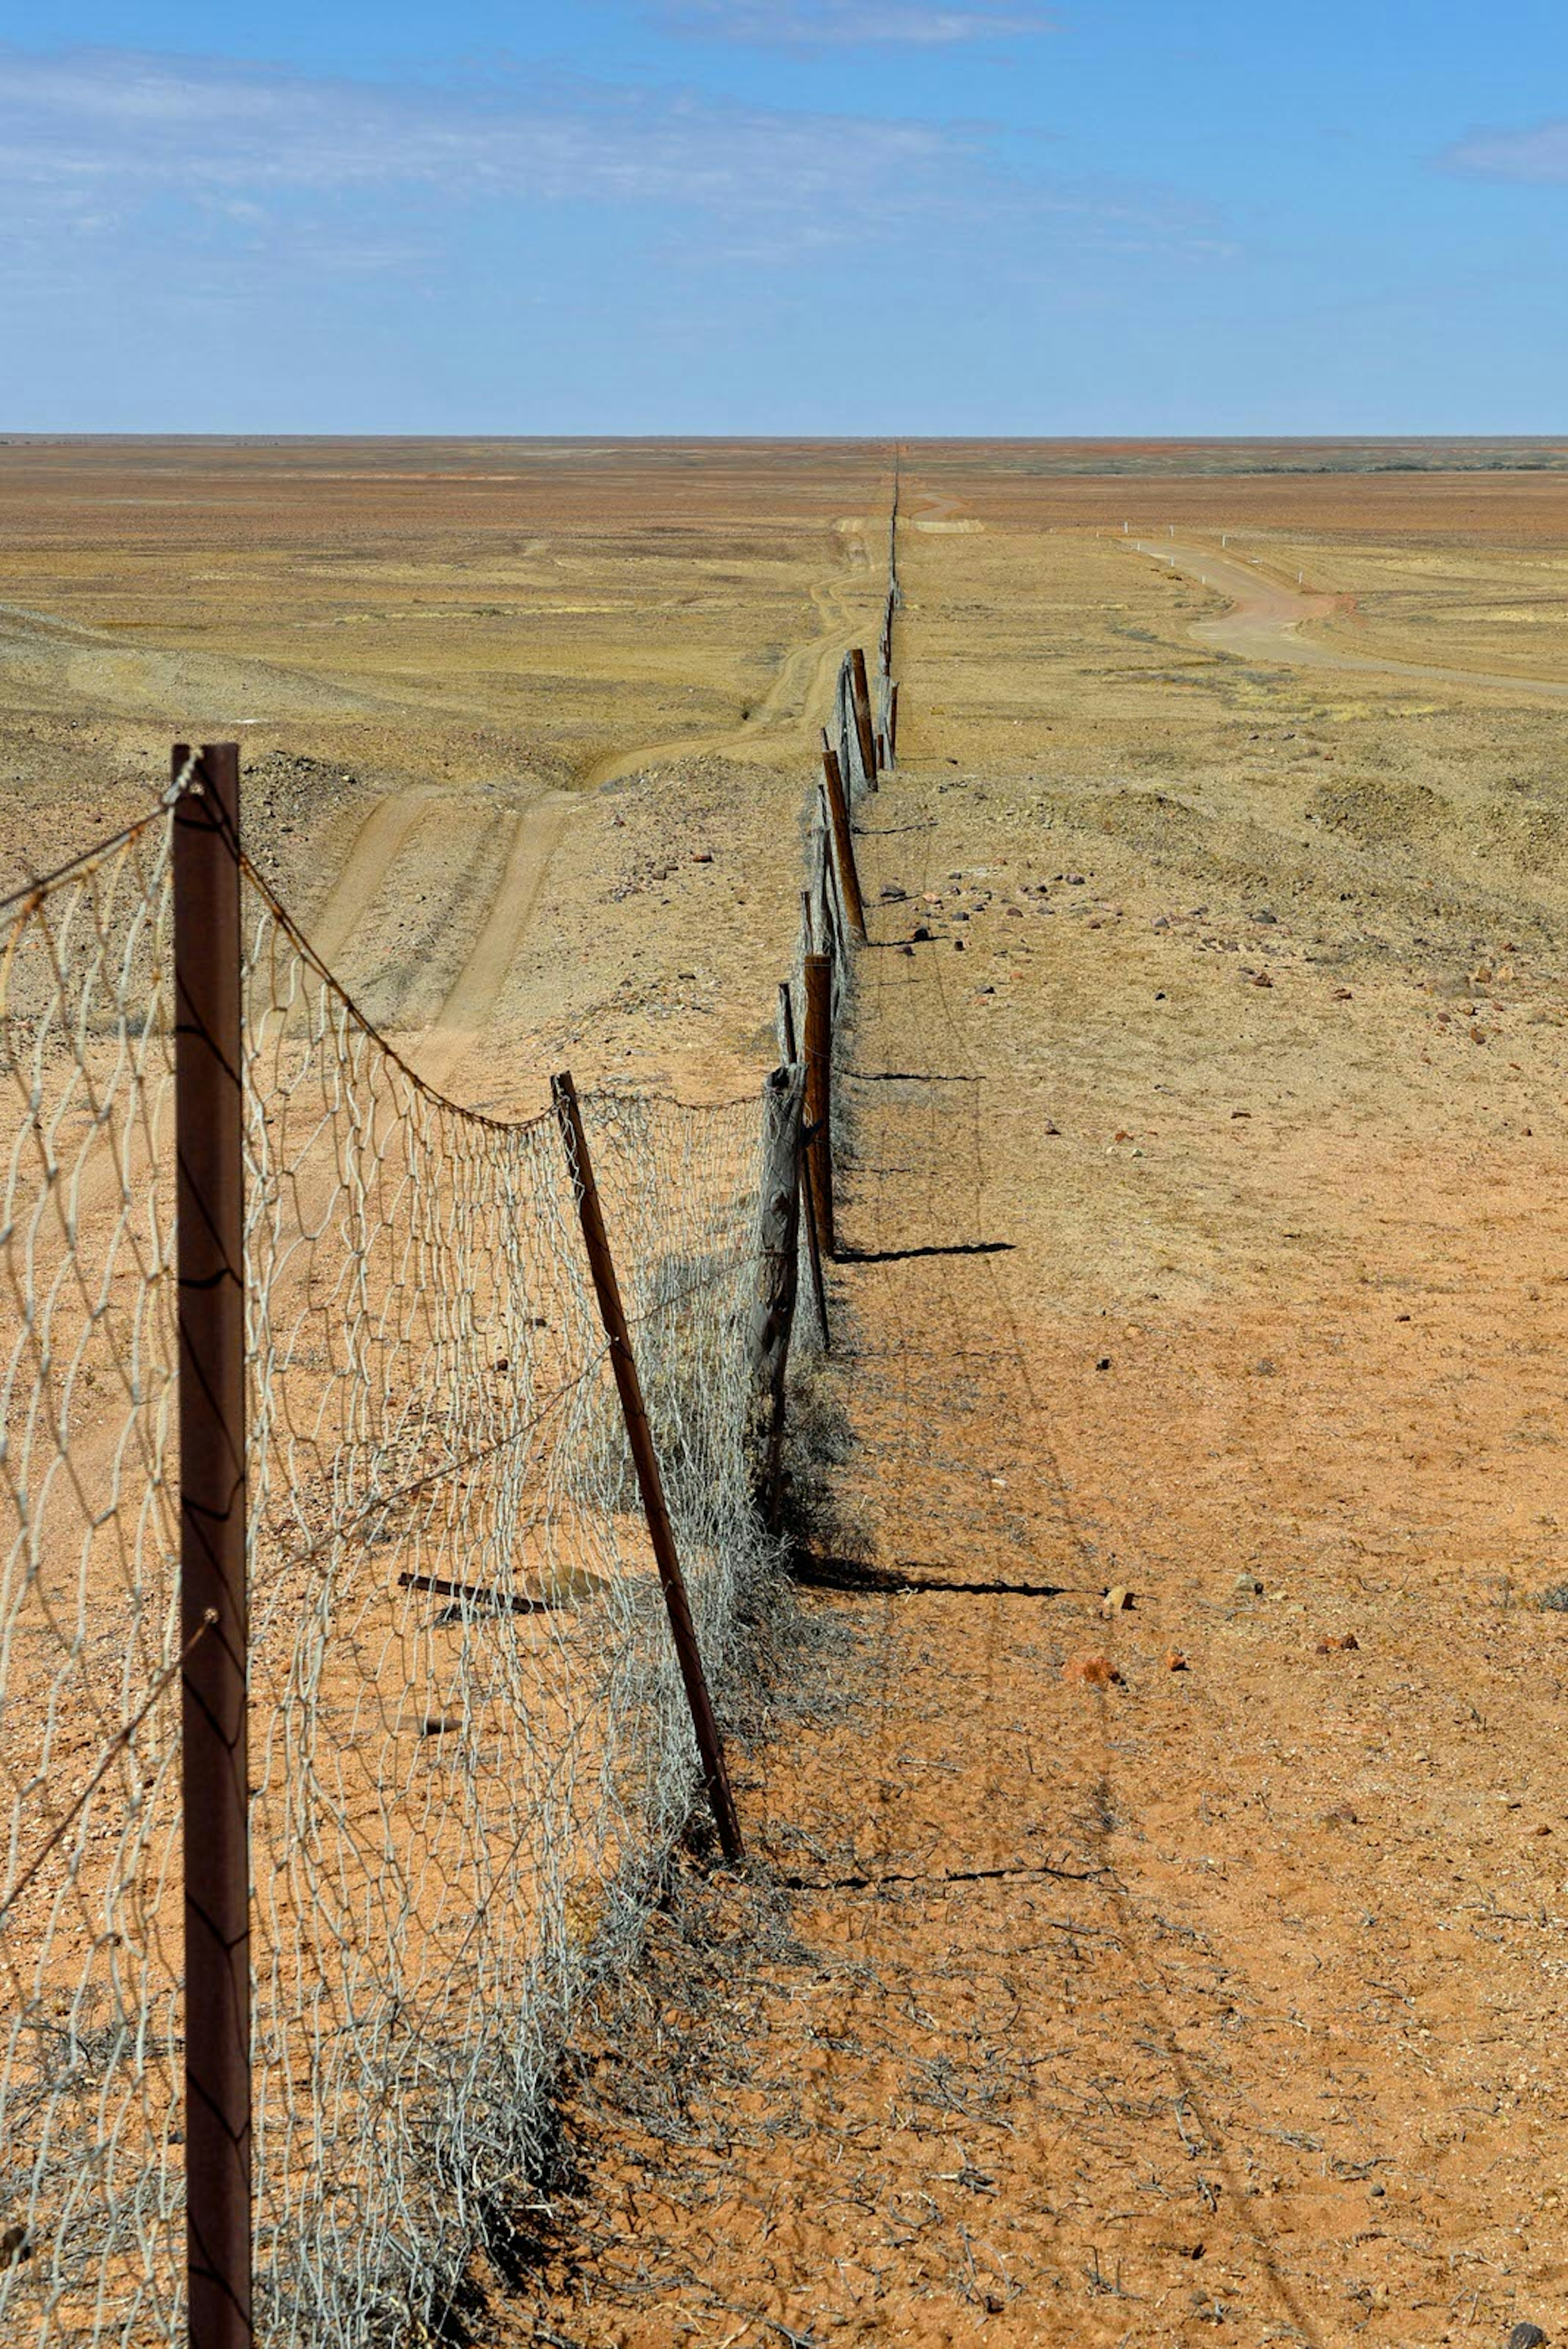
(818, 972)
(645, 1460)
(808, 1197)
(214, 1781)
(778, 1278)
(843, 840)
(861, 694)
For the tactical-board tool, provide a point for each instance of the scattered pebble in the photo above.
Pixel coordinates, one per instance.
(1175, 1662)
(1527, 2336)
(1091, 1672)
(1338, 1643)
(1117, 1600)
(1249, 1586)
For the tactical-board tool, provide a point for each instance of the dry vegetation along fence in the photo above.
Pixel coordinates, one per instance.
(385, 1491)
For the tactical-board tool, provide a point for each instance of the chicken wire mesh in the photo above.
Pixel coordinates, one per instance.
(469, 1739)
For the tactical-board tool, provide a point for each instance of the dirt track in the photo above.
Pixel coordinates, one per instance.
(1268, 614)
(1212, 2003)
(1204, 1229)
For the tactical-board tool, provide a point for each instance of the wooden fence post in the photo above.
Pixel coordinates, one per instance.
(844, 840)
(645, 1460)
(214, 1774)
(863, 717)
(892, 725)
(779, 1251)
(808, 1197)
(819, 1093)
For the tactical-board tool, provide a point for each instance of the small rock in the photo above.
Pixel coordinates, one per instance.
(1262, 980)
(1104, 1363)
(1047, 1127)
(1267, 918)
(701, 856)
(1117, 1600)
(891, 892)
(16, 2245)
(920, 932)
(437, 1724)
(1343, 1818)
(1527, 2336)
(1343, 994)
(1175, 1662)
(1340, 1643)
(1091, 1672)
(1240, 1113)
(1122, 1135)
(1160, 922)
(1248, 1586)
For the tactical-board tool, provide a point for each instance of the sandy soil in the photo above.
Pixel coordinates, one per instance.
(1207, 1215)
(1205, 1241)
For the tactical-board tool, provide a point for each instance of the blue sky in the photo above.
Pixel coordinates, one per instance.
(784, 216)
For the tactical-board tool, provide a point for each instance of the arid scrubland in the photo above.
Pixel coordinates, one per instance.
(1206, 1227)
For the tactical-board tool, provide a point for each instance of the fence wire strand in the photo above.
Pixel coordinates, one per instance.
(470, 1744)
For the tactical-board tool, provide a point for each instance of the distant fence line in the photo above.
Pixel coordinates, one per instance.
(385, 1491)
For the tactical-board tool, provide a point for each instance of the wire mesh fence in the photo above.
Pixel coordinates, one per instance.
(468, 1738)
(469, 1742)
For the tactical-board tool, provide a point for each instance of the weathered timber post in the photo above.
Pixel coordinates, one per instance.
(862, 699)
(214, 1774)
(829, 933)
(773, 1317)
(645, 1460)
(844, 840)
(819, 1093)
(892, 725)
(808, 1200)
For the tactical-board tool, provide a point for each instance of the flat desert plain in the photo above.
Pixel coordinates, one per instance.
(1191, 1969)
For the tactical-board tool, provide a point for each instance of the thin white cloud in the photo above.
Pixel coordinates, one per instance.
(76, 123)
(849, 23)
(197, 161)
(1539, 154)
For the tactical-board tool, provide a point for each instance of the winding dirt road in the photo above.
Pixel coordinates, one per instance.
(800, 694)
(1267, 616)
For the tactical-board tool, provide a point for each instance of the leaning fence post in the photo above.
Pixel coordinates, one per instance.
(778, 1248)
(808, 1197)
(862, 699)
(215, 1780)
(819, 1093)
(645, 1460)
(844, 840)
